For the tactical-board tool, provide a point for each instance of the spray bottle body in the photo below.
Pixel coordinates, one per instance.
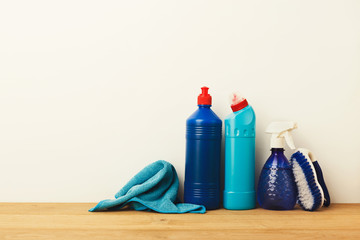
(203, 154)
(239, 191)
(276, 187)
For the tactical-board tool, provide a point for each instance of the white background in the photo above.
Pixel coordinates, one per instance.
(93, 91)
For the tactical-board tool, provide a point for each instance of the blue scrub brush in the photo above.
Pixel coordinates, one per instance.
(312, 191)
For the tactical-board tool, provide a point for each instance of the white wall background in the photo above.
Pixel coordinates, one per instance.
(92, 91)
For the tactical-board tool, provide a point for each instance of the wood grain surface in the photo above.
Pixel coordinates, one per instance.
(73, 221)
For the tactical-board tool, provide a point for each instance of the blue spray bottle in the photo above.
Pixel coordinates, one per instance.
(239, 192)
(203, 154)
(277, 189)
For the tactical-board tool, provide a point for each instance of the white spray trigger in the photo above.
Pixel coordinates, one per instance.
(279, 131)
(289, 140)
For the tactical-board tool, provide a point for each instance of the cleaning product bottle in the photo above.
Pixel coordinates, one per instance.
(277, 189)
(203, 153)
(239, 192)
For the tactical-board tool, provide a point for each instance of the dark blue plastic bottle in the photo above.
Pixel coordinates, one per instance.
(203, 154)
(276, 188)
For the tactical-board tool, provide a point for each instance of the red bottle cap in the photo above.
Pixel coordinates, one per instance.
(238, 103)
(204, 98)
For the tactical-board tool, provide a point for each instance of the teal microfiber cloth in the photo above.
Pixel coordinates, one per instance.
(154, 188)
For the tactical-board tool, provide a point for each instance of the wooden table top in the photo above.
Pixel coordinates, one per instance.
(73, 221)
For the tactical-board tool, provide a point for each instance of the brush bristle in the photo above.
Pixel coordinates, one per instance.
(310, 194)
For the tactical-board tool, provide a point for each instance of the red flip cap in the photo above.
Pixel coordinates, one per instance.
(204, 98)
(238, 104)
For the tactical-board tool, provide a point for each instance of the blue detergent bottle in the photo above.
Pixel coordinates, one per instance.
(239, 192)
(203, 154)
(276, 188)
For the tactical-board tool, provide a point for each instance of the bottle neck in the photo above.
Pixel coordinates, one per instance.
(277, 151)
(278, 159)
(204, 106)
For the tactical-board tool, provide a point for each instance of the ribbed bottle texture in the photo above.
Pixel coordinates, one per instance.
(203, 132)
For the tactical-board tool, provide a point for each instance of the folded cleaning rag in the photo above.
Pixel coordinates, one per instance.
(153, 188)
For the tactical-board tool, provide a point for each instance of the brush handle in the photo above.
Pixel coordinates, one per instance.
(320, 178)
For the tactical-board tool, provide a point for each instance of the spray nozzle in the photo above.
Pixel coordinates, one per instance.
(281, 131)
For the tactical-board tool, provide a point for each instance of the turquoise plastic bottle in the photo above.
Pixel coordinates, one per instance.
(239, 192)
